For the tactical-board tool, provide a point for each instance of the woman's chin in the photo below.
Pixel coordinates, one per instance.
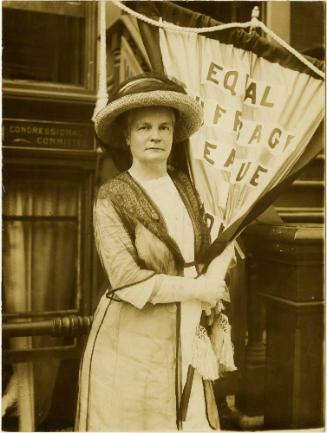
(156, 157)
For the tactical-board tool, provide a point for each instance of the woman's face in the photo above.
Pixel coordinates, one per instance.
(150, 134)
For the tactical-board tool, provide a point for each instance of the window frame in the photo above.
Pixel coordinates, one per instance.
(85, 92)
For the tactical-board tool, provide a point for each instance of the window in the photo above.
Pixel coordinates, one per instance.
(49, 44)
(41, 257)
(41, 217)
(47, 260)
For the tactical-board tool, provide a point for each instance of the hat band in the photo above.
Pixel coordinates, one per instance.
(131, 85)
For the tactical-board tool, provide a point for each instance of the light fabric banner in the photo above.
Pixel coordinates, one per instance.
(259, 117)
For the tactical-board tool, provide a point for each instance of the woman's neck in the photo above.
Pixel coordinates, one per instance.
(148, 171)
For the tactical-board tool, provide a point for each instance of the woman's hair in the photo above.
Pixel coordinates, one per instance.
(122, 123)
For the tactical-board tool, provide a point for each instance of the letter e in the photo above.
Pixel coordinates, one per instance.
(213, 69)
(206, 152)
(254, 179)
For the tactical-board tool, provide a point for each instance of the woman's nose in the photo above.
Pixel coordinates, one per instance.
(155, 134)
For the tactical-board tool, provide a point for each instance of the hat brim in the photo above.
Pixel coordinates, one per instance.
(188, 122)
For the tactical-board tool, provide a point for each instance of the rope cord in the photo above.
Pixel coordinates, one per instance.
(102, 94)
(292, 50)
(252, 24)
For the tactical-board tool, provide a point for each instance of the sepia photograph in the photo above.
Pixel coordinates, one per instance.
(163, 185)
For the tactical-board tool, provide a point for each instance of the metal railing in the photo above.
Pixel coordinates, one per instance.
(67, 326)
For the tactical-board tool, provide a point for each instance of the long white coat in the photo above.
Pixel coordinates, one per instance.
(130, 373)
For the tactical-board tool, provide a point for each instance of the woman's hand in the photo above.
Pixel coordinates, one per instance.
(211, 292)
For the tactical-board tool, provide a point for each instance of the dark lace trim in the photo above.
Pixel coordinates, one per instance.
(133, 204)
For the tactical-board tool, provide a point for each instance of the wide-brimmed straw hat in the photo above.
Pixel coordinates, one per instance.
(148, 90)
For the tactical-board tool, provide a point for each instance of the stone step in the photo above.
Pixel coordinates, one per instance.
(301, 214)
(315, 170)
(302, 193)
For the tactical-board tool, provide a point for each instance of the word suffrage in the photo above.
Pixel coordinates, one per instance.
(240, 134)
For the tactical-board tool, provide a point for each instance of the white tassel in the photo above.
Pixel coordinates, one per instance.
(222, 344)
(203, 357)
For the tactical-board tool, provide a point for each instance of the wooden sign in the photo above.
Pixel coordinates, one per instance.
(47, 134)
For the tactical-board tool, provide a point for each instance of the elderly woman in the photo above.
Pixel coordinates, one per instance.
(150, 235)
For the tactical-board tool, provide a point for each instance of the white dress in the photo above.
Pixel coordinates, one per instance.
(128, 377)
(165, 195)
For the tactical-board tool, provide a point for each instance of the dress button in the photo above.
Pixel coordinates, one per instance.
(155, 216)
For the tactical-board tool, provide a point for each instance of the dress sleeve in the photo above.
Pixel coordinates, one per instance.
(118, 255)
(131, 282)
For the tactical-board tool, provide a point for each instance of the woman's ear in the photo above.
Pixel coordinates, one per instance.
(127, 139)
